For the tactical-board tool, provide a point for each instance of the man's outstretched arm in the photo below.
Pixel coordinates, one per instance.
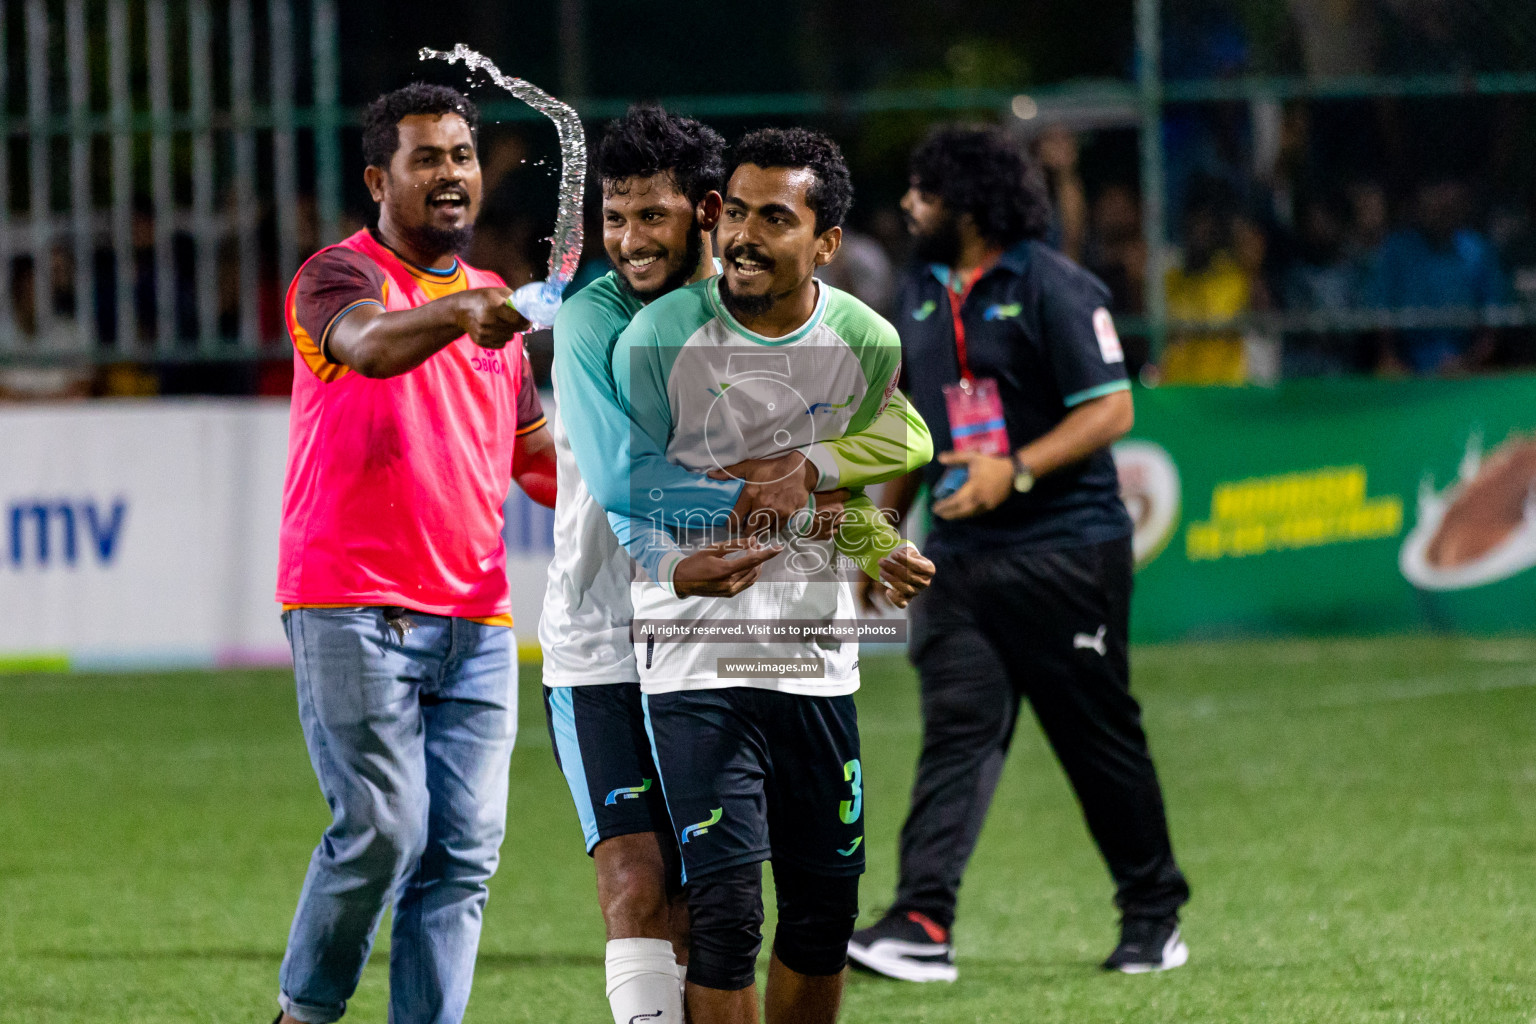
(380, 343)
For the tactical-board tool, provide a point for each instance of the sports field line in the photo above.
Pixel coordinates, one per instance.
(1345, 695)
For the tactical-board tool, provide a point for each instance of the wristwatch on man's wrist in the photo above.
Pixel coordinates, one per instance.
(1023, 476)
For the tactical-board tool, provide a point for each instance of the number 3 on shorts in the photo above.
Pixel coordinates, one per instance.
(849, 810)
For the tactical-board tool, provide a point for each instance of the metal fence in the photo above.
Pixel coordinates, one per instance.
(165, 163)
(169, 161)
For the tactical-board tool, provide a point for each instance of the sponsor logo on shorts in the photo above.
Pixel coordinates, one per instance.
(702, 827)
(854, 846)
(1007, 312)
(1084, 642)
(627, 793)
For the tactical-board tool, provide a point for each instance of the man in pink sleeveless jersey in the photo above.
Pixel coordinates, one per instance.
(412, 405)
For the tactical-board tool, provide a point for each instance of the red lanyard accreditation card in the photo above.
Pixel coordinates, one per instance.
(976, 416)
(976, 421)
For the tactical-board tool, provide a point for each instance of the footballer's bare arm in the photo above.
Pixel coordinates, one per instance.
(379, 343)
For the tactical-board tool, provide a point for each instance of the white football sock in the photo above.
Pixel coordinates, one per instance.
(642, 982)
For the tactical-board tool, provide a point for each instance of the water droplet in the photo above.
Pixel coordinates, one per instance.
(565, 253)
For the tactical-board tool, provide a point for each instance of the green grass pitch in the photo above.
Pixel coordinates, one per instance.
(1357, 818)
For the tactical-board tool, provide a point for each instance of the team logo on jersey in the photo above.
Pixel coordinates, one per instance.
(1109, 341)
(1007, 312)
(925, 311)
(627, 793)
(702, 827)
(828, 406)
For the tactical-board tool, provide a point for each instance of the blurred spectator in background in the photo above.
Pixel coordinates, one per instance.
(1369, 220)
(1321, 279)
(1057, 152)
(132, 380)
(1514, 232)
(1283, 162)
(1116, 250)
(508, 239)
(1438, 263)
(62, 368)
(1261, 348)
(1210, 286)
(1204, 39)
(863, 270)
(1335, 37)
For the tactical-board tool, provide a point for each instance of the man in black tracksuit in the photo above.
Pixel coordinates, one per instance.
(1008, 342)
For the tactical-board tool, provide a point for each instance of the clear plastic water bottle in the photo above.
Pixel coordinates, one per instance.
(539, 301)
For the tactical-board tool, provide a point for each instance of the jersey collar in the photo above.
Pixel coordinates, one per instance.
(1013, 260)
(712, 289)
(416, 270)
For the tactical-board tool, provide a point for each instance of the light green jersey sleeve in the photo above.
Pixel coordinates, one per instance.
(896, 443)
(885, 437)
(865, 535)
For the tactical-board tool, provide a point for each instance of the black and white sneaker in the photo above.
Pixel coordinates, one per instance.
(907, 947)
(1148, 944)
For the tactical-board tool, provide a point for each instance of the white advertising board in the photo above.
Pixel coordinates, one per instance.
(144, 533)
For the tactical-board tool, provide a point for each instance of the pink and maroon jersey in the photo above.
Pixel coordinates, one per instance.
(395, 487)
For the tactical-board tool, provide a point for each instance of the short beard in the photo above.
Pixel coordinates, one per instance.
(747, 306)
(693, 253)
(941, 245)
(435, 243)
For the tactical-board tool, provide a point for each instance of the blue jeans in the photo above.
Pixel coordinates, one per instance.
(409, 719)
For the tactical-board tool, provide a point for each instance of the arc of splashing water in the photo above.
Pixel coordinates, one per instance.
(565, 251)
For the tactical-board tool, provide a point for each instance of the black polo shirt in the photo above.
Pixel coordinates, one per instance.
(1038, 324)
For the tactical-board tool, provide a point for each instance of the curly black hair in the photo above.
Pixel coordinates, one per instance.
(647, 140)
(381, 121)
(832, 194)
(977, 170)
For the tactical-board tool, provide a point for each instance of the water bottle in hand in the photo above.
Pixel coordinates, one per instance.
(538, 301)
